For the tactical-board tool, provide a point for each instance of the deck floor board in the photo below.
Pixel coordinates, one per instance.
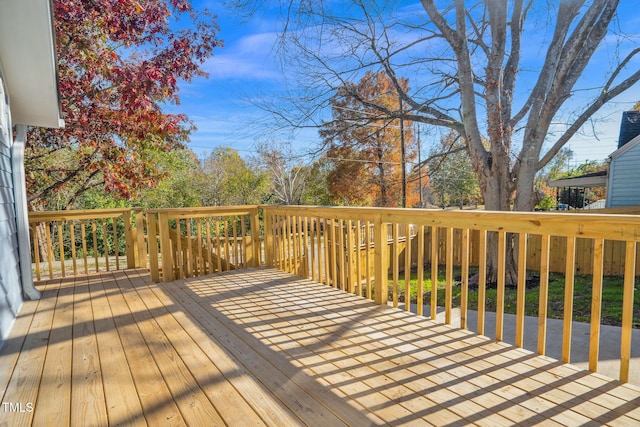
(262, 347)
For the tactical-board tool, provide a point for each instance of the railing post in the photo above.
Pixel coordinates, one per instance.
(379, 254)
(130, 241)
(141, 254)
(268, 237)
(255, 237)
(152, 231)
(165, 247)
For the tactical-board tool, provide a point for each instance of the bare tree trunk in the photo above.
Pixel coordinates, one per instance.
(497, 197)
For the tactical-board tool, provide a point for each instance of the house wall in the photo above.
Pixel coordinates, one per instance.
(623, 187)
(10, 283)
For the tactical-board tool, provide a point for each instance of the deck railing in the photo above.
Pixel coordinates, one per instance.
(81, 241)
(192, 242)
(321, 244)
(366, 251)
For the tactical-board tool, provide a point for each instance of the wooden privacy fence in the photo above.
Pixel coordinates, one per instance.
(326, 245)
(68, 243)
(613, 258)
(196, 241)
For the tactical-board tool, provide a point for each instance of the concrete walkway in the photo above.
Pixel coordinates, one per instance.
(609, 353)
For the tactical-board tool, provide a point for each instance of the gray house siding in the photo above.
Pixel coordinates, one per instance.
(624, 184)
(10, 284)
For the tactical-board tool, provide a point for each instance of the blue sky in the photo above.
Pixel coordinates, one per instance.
(247, 68)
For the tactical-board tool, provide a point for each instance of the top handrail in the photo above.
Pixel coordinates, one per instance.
(585, 225)
(65, 215)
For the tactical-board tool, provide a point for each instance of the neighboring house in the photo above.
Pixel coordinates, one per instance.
(623, 180)
(622, 177)
(29, 96)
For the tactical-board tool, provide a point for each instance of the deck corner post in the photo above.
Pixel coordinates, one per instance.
(380, 253)
(255, 238)
(268, 236)
(141, 247)
(130, 241)
(166, 248)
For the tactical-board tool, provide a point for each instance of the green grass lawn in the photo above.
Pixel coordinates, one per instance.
(611, 296)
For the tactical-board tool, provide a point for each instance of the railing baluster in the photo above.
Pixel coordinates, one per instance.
(72, 238)
(180, 256)
(94, 230)
(482, 280)
(627, 309)
(189, 255)
(407, 268)
(209, 266)
(227, 247)
(464, 291)
(367, 264)
(434, 267)
(83, 237)
(449, 276)
(522, 284)
(358, 251)
(502, 261)
(569, 281)
(332, 251)
(235, 244)
(327, 253)
(420, 273)
(61, 248)
(49, 248)
(544, 294)
(380, 237)
(303, 246)
(395, 264)
(295, 243)
(312, 248)
(105, 243)
(341, 254)
(350, 251)
(219, 243)
(154, 264)
(279, 221)
(116, 248)
(596, 303)
(200, 264)
(36, 250)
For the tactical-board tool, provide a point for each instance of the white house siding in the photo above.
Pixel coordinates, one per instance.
(10, 286)
(624, 183)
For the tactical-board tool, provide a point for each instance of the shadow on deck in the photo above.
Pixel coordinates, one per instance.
(260, 346)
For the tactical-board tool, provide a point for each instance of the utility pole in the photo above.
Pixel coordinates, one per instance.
(419, 166)
(403, 152)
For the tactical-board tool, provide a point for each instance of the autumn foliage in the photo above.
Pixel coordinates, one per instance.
(364, 145)
(120, 63)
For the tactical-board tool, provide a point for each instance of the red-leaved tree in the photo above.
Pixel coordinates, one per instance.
(120, 62)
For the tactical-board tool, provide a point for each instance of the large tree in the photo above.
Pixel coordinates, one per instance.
(370, 151)
(502, 71)
(120, 63)
(228, 179)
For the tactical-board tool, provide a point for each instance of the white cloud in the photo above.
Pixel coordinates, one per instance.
(250, 58)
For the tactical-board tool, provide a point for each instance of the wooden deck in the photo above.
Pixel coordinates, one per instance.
(262, 347)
